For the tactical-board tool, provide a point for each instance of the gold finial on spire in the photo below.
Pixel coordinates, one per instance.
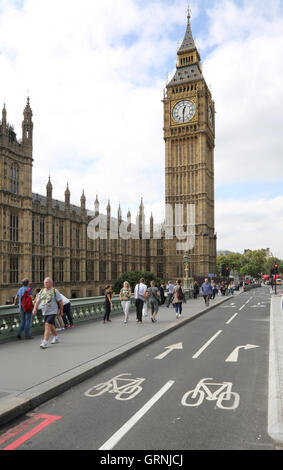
(189, 12)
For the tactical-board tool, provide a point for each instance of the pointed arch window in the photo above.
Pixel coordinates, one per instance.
(14, 179)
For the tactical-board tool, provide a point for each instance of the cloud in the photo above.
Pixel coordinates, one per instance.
(250, 224)
(246, 74)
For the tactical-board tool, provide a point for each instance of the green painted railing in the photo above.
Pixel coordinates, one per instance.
(86, 309)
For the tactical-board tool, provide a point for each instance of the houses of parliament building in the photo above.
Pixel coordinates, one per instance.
(41, 236)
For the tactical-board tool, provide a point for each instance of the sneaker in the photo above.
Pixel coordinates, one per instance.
(43, 345)
(177, 316)
(55, 340)
(72, 326)
(109, 320)
(19, 337)
(152, 319)
(67, 326)
(103, 321)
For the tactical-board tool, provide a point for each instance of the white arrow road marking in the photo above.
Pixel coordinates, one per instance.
(113, 441)
(169, 349)
(233, 305)
(233, 357)
(198, 353)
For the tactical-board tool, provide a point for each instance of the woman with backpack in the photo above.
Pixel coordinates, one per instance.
(178, 297)
(24, 296)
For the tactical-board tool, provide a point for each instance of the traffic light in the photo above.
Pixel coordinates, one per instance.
(225, 270)
(275, 270)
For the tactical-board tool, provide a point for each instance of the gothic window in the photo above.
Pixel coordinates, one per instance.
(90, 270)
(32, 231)
(14, 269)
(114, 270)
(61, 270)
(14, 179)
(71, 236)
(41, 269)
(14, 227)
(41, 232)
(77, 238)
(61, 234)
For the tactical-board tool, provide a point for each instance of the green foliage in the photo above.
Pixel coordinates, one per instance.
(252, 263)
(133, 278)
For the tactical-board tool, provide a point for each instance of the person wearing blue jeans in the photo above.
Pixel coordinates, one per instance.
(26, 317)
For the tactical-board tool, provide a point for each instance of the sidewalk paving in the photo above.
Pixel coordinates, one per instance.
(30, 376)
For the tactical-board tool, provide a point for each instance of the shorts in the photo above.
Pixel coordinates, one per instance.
(50, 319)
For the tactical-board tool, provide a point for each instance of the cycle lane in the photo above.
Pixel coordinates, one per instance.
(100, 417)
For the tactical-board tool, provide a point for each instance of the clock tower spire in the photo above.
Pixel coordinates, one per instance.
(189, 134)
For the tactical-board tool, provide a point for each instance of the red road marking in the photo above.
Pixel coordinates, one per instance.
(34, 417)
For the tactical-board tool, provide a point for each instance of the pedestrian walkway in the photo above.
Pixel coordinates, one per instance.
(29, 375)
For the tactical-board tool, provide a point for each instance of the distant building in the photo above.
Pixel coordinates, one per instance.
(267, 251)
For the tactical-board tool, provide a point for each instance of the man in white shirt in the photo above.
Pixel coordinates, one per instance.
(140, 291)
(67, 312)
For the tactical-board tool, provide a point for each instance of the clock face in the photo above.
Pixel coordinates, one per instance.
(210, 116)
(183, 111)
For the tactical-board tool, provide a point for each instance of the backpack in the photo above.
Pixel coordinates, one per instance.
(180, 294)
(26, 301)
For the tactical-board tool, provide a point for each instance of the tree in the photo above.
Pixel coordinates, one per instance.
(133, 278)
(253, 263)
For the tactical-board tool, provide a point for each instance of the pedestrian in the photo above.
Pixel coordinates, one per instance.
(196, 290)
(140, 290)
(67, 312)
(153, 295)
(125, 297)
(214, 289)
(24, 297)
(49, 299)
(233, 287)
(206, 291)
(108, 304)
(162, 289)
(170, 287)
(178, 297)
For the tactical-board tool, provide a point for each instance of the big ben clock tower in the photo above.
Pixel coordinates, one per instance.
(189, 134)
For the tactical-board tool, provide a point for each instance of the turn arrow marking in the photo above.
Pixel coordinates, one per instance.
(233, 357)
(169, 349)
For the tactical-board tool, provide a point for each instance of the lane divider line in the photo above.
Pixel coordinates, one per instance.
(113, 441)
(198, 353)
(229, 321)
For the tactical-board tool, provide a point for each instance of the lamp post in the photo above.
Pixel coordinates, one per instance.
(186, 259)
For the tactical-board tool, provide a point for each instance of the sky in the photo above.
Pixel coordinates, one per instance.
(95, 74)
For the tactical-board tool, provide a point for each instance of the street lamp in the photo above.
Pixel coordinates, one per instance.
(186, 259)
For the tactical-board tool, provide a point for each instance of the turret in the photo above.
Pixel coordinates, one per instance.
(27, 126)
(67, 199)
(83, 201)
(49, 194)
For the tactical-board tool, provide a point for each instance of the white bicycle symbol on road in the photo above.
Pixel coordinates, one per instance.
(129, 390)
(224, 397)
